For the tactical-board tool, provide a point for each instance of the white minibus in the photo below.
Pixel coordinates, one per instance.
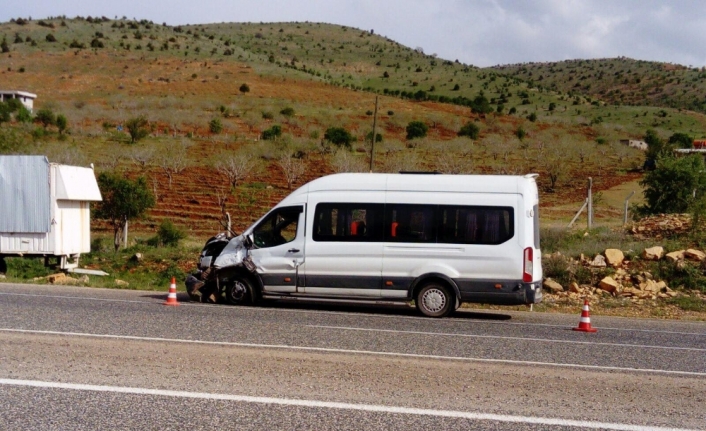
(438, 240)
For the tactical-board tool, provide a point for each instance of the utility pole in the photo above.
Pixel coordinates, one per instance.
(372, 143)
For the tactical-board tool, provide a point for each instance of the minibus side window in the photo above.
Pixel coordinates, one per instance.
(476, 225)
(410, 223)
(348, 222)
(280, 227)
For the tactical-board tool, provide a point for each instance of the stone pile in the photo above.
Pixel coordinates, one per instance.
(626, 282)
(661, 226)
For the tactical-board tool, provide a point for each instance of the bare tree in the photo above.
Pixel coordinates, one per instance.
(292, 168)
(236, 167)
(450, 163)
(556, 167)
(174, 160)
(142, 156)
(401, 161)
(343, 161)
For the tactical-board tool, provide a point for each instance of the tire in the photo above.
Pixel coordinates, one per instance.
(239, 291)
(435, 300)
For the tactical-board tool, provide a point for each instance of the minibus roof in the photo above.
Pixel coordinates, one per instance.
(421, 183)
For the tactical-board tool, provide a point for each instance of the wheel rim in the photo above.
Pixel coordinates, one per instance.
(237, 291)
(434, 300)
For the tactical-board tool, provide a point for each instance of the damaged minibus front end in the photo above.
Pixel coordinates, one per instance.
(225, 271)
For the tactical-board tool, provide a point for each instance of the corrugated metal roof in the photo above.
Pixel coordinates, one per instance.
(25, 199)
(76, 184)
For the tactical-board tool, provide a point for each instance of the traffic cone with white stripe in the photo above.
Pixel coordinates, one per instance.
(171, 298)
(585, 322)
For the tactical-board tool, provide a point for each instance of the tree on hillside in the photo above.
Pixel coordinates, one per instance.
(676, 185)
(5, 116)
(137, 128)
(681, 140)
(174, 160)
(481, 105)
(416, 129)
(235, 167)
(470, 130)
(45, 117)
(61, 123)
(339, 136)
(123, 200)
(655, 145)
(292, 168)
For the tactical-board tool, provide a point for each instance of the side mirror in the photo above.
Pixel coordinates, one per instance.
(249, 240)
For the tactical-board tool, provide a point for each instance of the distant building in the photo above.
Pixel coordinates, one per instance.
(699, 144)
(26, 98)
(632, 143)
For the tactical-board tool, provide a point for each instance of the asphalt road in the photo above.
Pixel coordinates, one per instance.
(86, 359)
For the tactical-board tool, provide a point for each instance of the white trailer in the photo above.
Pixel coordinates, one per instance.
(44, 209)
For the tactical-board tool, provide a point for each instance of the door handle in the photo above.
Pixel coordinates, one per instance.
(293, 250)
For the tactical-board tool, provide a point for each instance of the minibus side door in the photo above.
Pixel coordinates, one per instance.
(278, 248)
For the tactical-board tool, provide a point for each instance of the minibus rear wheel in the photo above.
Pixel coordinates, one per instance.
(239, 291)
(434, 300)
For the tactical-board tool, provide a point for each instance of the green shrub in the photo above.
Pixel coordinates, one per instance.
(676, 185)
(266, 115)
(557, 267)
(245, 88)
(45, 117)
(689, 303)
(23, 115)
(272, 133)
(172, 270)
(215, 126)
(169, 235)
(26, 267)
(287, 112)
(338, 136)
(61, 123)
(469, 129)
(416, 129)
(369, 137)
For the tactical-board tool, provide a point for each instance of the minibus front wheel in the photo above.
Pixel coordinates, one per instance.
(239, 291)
(434, 300)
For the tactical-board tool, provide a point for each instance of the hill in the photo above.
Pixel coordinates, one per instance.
(619, 81)
(210, 92)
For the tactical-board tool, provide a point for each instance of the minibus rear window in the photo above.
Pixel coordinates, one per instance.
(476, 225)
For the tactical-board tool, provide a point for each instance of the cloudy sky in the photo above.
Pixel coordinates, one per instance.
(478, 32)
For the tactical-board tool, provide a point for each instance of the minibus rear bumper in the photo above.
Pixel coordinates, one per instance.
(506, 293)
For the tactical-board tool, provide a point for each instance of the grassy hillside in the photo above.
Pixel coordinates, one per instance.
(304, 78)
(619, 81)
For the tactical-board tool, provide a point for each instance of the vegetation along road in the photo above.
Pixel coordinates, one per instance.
(79, 358)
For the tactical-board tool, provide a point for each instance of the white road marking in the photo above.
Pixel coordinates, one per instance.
(374, 408)
(358, 352)
(382, 316)
(502, 337)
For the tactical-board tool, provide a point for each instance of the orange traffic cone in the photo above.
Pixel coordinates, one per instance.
(171, 298)
(585, 322)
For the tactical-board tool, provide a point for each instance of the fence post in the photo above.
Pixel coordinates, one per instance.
(625, 214)
(589, 199)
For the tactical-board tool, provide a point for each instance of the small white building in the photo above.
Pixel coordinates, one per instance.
(632, 143)
(26, 98)
(44, 209)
